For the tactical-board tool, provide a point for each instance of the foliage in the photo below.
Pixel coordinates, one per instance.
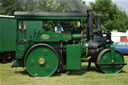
(53, 5)
(112, 17)
(8, 7)
(57, 6)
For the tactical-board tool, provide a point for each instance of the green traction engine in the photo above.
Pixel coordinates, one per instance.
(43, 53)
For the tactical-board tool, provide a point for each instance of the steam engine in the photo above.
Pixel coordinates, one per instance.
(43, 53)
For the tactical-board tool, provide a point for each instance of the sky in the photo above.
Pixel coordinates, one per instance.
(122, 4)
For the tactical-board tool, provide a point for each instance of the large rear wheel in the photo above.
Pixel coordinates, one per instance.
(106, 64)
(41, 60)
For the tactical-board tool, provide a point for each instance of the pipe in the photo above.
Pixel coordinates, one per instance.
(98, 22)
(90, 25)
(78, 36)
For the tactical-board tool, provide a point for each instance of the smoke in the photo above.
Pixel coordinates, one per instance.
(80, 6)
(53, 5)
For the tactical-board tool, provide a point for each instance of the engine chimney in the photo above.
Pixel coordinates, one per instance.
(98, 22)
(90, 25)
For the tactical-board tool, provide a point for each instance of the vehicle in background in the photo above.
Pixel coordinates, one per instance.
(120, 36)
(121, 47)
(7, 38)
(120, 41)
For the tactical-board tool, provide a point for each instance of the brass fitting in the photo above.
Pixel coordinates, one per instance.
(41, 61)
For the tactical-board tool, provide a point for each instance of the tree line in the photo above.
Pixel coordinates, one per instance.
(112, 17)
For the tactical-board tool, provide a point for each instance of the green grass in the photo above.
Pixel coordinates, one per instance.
(18, 76)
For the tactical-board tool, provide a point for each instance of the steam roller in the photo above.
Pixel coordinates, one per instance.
(45, 52)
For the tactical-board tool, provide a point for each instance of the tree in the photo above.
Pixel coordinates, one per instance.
(112, 17)
(8, 7)
(59, 6)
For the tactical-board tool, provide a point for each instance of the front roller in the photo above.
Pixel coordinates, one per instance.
(108, 64)
(41, 60)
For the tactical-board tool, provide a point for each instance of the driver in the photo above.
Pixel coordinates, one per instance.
(59, 28)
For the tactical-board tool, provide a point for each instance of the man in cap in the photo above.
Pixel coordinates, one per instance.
(59, 28)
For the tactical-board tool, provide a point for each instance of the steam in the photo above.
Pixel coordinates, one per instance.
(53, 5)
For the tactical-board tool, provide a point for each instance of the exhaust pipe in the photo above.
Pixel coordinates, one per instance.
(90, 25)
(92, 45)
(98, 22)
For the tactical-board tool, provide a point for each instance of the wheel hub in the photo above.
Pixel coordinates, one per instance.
(41, 61)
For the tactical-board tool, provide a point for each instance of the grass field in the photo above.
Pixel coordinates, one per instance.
(12, 76)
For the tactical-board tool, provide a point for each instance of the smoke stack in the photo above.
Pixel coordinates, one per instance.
(98, 22)
(90, 25)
